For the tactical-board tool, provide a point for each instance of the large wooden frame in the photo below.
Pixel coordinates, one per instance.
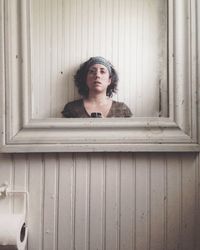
(21, 133)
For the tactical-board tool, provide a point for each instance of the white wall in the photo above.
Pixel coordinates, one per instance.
(107, 200)
(104, 201)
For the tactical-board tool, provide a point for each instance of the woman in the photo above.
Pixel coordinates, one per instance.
(96, 80)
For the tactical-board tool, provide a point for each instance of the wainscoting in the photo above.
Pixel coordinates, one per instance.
(107, 201)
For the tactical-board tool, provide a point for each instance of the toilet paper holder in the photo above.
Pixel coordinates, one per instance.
(4, 192)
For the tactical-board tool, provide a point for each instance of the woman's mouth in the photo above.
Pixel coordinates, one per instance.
(97, 82)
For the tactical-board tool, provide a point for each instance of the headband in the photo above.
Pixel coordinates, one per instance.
(99, 60)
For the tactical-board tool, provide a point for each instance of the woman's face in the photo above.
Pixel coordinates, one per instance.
(98, 78)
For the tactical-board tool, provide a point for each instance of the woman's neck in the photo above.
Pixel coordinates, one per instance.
(99, 99)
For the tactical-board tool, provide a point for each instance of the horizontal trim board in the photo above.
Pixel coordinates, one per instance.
(101, 148)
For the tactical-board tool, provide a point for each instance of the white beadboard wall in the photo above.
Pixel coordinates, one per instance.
(103, 201)
(107, 201)
(132, 34)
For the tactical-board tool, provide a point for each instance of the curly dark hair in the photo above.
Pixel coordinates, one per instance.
(81, 74)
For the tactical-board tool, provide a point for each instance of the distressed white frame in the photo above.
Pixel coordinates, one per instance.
(21, 133)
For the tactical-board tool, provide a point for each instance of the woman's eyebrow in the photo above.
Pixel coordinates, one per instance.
(102, 68)
(97, 68)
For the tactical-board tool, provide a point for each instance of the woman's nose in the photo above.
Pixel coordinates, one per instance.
(97, 73)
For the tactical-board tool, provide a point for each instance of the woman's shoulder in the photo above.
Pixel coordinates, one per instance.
(120, 105)
(74, 109)
(74, 103)
(120, 109)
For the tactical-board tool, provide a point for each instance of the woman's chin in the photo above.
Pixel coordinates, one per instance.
(97, 89)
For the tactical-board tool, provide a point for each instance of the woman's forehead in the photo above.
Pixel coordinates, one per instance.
(98, 66)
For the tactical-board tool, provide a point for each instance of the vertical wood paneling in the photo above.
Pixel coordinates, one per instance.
(20, 182)
(81, 215)
(56, 46)
(113, 196)
(197, 199)
(188, 202)
(36, 195)
(104, 201)
(142, 209)
(65, 202)
(5, 177)
(131, 34)
(127, 215)
(157, 202)
(173, 180)
(97, 202)
(50, 190)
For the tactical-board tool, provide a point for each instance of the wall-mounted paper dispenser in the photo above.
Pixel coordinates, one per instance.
(13, 226)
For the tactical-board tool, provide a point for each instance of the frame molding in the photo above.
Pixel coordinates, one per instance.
(21, 133)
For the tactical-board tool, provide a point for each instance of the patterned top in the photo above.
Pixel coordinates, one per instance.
(76, 109)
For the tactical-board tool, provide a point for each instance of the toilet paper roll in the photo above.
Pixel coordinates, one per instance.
(13, 231)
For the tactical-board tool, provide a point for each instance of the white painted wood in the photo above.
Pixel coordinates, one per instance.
(20, 177)
(50, 213)
(173, 180)
(197, 203)
(198, 62)
(182, 73)
(36, 193)
(104, 148)
(21, 132)
(66, 202)
(157, 199)
(2, 74)
(81, 202)
(103, 200)
(112, 206)
(13, 58)
(97, 201)
(127, 201)
(92, 135)
(90, 131)
(108, 200)
(142, 200)
(188, 201)
(5, 177)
